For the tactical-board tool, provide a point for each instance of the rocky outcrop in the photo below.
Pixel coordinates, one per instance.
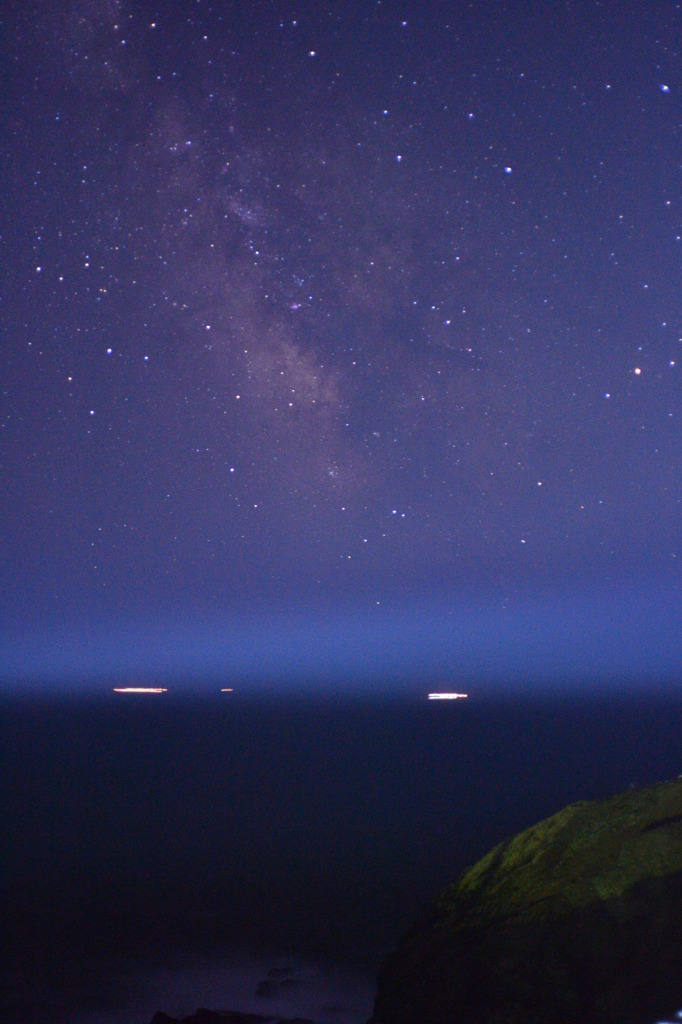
(577, 920)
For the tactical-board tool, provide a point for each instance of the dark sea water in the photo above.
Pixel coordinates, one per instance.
(265, 852)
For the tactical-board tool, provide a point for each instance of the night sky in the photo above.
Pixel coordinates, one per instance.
(341, 343)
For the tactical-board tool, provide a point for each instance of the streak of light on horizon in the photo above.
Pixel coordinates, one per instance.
(140, 689)
(447, 696)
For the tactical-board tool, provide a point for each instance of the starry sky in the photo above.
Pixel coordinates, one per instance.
(341, 342)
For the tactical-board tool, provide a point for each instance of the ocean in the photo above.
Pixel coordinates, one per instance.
(264, 852)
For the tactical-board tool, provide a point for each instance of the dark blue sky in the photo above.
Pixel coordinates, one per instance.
(341, 342)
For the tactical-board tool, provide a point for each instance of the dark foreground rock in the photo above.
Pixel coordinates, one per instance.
(225, 1017)
(577, 920)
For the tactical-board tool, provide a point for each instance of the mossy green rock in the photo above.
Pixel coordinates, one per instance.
(577, 920)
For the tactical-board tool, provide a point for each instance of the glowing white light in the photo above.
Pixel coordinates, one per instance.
(447, 696)
(140, 689)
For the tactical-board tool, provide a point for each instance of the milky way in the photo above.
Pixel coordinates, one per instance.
(366, 306)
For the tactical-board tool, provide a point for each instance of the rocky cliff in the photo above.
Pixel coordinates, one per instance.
(577, 920)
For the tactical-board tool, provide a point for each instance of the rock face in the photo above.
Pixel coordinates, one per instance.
(577, 920)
